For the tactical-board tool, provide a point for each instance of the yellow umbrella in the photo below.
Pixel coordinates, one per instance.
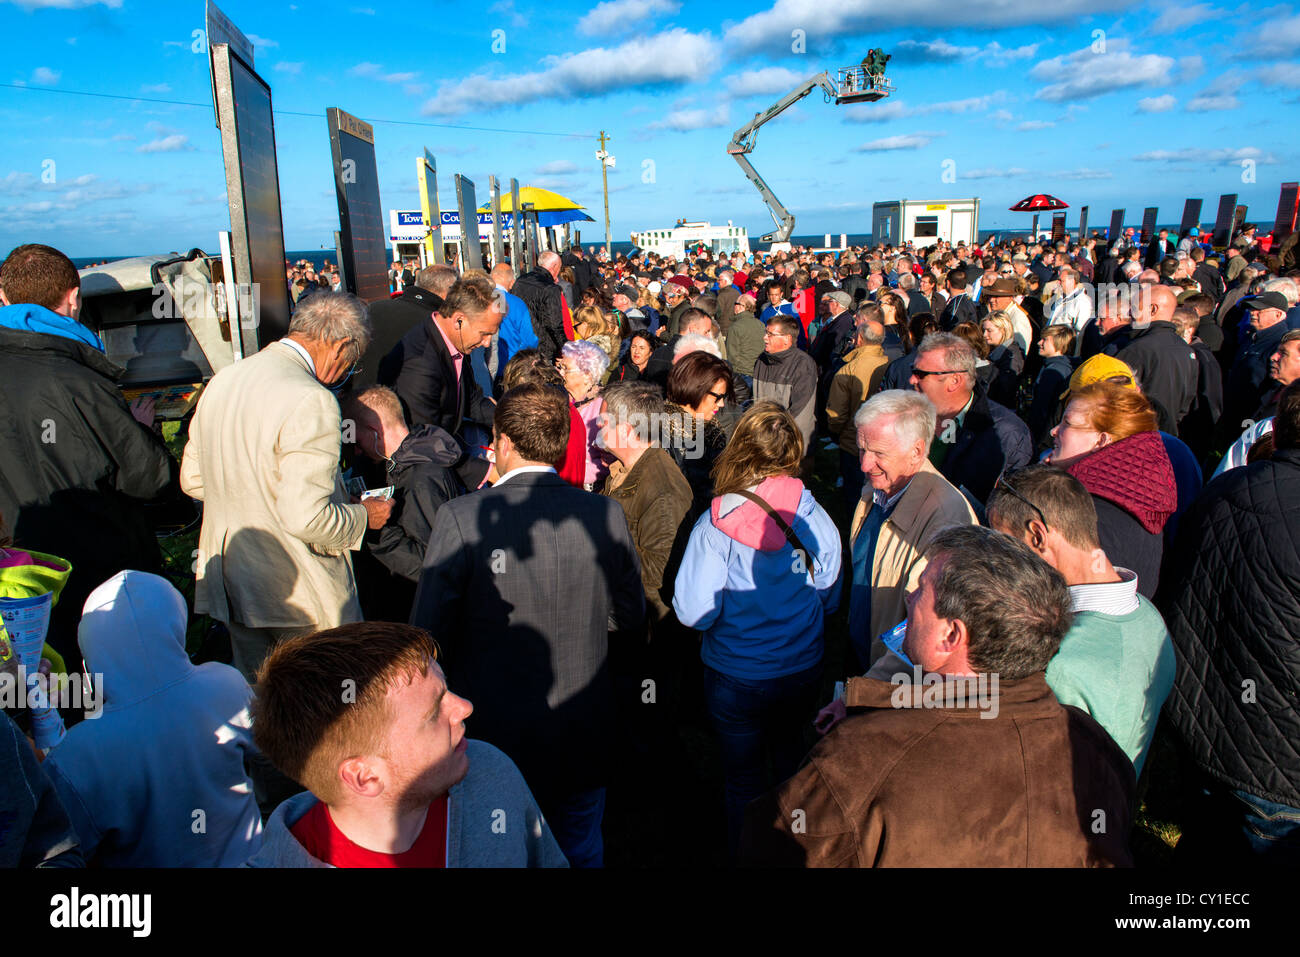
(543, 200)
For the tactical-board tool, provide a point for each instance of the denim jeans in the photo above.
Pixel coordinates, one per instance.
(1237, 827)
(575, 821)
(754, 718)
(1271, 829)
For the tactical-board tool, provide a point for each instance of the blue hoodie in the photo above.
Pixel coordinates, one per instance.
(762, 617)
(29, 317)
(157, 779)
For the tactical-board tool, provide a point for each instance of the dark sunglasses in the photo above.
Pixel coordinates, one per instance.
(1003, 485)
(922, 373)
(720, 396)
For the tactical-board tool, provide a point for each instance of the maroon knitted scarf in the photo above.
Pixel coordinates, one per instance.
(1135, 474)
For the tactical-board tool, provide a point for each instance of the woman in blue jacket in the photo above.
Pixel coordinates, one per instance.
(760, 594)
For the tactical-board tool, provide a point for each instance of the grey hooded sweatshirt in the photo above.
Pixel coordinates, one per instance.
(492, 821)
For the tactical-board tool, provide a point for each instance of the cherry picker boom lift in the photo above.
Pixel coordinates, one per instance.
(864, 83)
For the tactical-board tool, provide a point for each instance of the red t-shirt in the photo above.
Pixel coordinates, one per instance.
(318, 835)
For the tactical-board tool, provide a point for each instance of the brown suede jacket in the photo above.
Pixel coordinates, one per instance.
(656, 498)
(900, 783)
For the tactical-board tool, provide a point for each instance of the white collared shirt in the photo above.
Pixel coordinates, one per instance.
(297, 347)
(1107, 598)
(520, 471)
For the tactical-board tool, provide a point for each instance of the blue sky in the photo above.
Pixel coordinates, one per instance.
(1101, 102)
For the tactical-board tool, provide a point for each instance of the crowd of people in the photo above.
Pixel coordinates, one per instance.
(1052, 504)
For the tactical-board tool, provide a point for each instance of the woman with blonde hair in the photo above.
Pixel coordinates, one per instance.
(593, 324)
(1108, 439)
(759, 576)
(1006, 355)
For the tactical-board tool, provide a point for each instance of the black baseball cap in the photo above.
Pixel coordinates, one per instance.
(1266, 300)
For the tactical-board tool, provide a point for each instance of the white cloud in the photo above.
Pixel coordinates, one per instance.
(671, 58)
(44, 76)
(1207, 102)
(1193, 154)
(940, 50)
(362, 11)
(1281, 74)
(993, 173)
(933, 50)
(1157, 104)
(553, 182)
(1082, 173)
(506, 10)
(156, 88)
(1174, 18)
(767, 81)
(1279, 37)
(66, 4)
(557, 167)
(897, 109)
(286, 66)
(770, 29)
(1030, 126)
(1083, 74)
(375, 71)
(616, 16)
(176, 143)
(685, 120)
(262, 43)
(996, 55)
(1190, 67)
(878, 112)
(911, 141)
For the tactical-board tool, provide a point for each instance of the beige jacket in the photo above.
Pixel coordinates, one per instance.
(856, 380)
(263, 457)
(929, 505)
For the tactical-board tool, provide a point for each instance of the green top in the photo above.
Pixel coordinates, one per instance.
(946, 435)
(1120, 669)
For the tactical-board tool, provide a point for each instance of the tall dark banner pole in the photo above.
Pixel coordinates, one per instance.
(518, 261)
(1116, 227)
(1083, 224)
(471, 250)
(1058, 227)
(356, 184)
(1149, 223)
(1223, 220)
(1238, 220)
(1288, 201)
(1191, 216)
(243, 102)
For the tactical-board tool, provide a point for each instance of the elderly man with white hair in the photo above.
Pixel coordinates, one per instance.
(263, 457)
(905, 504)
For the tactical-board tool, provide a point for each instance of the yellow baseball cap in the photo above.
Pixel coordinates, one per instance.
(1100, 368)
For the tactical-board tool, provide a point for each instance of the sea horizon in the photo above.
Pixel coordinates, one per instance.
(318, 256)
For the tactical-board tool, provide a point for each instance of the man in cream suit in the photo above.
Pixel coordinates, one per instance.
(263, 457)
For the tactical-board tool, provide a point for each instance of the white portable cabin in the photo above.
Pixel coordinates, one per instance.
(925, 221)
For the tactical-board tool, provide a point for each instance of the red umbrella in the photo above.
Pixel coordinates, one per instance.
(1039, 202)
(1036, 204)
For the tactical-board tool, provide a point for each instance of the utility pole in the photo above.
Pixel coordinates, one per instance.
(606, 161)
